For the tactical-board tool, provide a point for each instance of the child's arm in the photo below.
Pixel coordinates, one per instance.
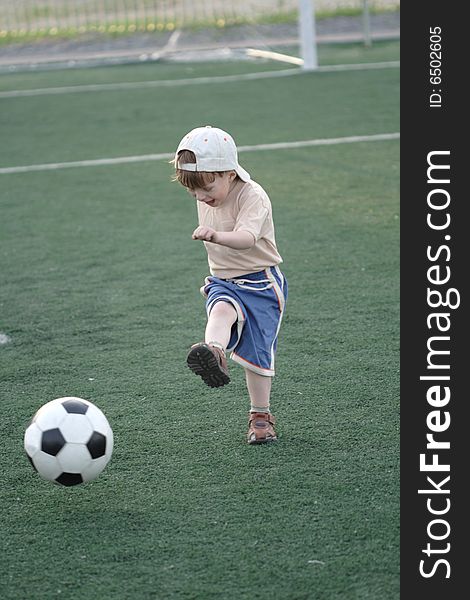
(238, 240)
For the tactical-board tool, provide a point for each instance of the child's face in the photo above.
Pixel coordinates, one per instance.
(215, 193)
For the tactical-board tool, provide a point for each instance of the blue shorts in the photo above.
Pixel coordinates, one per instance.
(259, 299)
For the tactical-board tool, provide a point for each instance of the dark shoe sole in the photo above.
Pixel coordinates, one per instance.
(202, 362)
(256, 442)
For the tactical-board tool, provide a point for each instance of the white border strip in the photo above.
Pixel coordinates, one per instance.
(136, 85)
(167, 156)
(282, 303)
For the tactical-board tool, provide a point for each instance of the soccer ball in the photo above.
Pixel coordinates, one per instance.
(69, 441)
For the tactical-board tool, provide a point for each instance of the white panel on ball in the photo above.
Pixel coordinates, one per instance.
(47, 465)
(94, 469)
(50, 415)
(32, 440)
(74, 458)
(76, 429)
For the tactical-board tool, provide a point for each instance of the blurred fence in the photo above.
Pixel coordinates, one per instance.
(57, 17)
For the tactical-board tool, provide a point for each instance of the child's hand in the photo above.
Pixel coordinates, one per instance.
(204, 233)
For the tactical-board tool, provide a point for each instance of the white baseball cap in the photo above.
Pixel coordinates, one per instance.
(214, 150)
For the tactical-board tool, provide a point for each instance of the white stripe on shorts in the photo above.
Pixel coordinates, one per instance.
(282, 302)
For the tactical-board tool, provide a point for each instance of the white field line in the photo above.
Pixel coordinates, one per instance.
(167, 156)
(136, 85)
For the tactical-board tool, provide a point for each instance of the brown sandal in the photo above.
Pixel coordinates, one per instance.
(209, 362)
(261, 428)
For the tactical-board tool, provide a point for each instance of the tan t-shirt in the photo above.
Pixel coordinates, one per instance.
(246, 208)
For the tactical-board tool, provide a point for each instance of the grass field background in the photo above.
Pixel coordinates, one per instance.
(99, 295)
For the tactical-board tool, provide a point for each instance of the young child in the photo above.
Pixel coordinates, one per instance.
(246, 291)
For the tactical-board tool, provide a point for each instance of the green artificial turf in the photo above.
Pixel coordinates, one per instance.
(99, 294)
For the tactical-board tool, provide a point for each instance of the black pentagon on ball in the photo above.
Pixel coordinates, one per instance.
(97, 445)
(52, 442)
(69, 479)
(75, 407)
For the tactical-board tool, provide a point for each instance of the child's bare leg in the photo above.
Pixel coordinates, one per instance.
(208, 360)
(259, 389)
(261, 421)
(219, 324)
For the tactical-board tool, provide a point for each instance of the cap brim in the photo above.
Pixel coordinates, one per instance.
(244, 175)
